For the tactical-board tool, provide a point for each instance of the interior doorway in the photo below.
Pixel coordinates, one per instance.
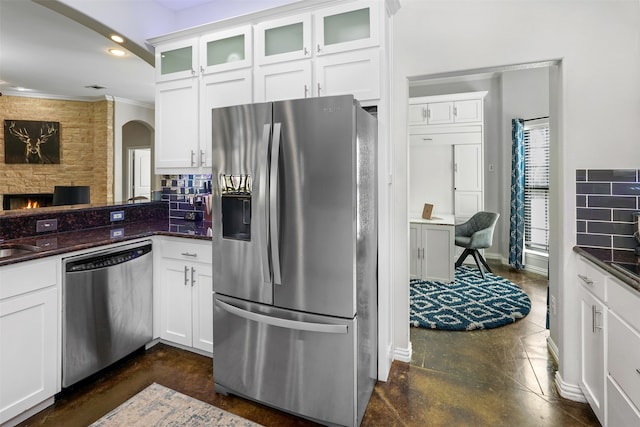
(511, 89)
(138, 180)
(139, 173)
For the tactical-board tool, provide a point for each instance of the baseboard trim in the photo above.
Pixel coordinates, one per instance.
(553, 349)
(403, 354)
(569, 391)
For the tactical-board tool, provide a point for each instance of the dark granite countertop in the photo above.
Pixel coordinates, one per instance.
(80, 228)
(596, 257)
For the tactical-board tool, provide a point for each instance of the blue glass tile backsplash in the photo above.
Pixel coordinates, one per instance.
(186, 194)
(605, 202)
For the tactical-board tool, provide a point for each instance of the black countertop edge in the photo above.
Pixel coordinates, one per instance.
(606, 266)
(61, 243)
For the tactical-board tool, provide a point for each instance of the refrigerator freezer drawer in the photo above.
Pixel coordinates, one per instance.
(300, 363)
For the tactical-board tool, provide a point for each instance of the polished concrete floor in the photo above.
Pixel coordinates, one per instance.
(497, 377)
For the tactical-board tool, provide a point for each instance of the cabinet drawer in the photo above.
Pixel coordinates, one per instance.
(591, 277)
(623, 364)
(623, 301)
(27, 276)
(187, 251)
(620, 411)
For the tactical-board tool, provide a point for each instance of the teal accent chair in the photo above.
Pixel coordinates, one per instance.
(475, 234)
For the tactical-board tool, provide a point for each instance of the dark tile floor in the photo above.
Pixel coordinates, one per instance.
(497, 377)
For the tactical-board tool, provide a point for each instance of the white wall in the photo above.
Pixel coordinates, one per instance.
(598, 89)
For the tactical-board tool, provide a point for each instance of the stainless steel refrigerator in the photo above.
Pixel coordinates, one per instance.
(295, 256)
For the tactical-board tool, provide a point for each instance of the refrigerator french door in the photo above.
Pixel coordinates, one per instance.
(295, 256)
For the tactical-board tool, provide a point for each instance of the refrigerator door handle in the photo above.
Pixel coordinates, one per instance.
(264, 222)
(273, 204)
(284, 323)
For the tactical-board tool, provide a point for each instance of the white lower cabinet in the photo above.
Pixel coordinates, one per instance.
(186, 293)
(592, 373)
(431, 251)
(610, 346)
(29, 336)
(623, 343)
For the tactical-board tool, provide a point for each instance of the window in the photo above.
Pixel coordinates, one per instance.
(536, 187)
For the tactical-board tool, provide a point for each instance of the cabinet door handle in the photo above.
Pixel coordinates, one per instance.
(186, 275)
(203, 158)
(594, 313)
(305, 51)
(193, 158)
(424, 113)
(306, 90)
(194, 255)
(455, 111)
(319, 88)
(585, 279)
(318, 48)
(193, 72)
(428, 113)
(193, 275)
(201, 69)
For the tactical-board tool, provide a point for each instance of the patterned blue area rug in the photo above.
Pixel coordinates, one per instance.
(469, 302)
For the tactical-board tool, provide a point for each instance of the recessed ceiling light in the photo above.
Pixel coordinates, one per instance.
(116, 38)
(116, 52)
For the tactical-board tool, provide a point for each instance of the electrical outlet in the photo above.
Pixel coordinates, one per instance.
(116, 232)
(46, 225)
(116, 216)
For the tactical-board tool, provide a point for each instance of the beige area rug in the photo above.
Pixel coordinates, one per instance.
(157, 405)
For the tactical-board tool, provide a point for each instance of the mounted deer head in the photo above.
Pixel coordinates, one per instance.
(32, 152)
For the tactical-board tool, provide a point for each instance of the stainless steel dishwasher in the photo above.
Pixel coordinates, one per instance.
(107, 308)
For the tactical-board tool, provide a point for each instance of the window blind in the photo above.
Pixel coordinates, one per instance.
(536, 193)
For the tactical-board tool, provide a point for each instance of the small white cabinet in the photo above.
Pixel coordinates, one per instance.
(426, 112)
(593, 316)
(623, 348)
(432, 249)
(192, 77)
(186, 288)
(340, 58)
(29, 336)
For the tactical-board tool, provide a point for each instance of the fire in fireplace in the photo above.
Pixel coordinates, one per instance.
(26, 201)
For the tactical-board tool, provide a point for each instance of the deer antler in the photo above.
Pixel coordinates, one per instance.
(44, 136)
(21, 134)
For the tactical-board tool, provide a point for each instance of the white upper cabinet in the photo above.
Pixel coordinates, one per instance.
(176, 136)
(465, 108)
(226, 50)
(288, 80)
(285, 39)
(346, 27)
(177, 60)
(356, 73)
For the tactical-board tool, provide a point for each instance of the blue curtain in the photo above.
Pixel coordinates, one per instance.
(516, 229)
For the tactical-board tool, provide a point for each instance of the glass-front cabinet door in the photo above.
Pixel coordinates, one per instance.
(176, 60)
(226, 50)
(283, 39)
(346, 27)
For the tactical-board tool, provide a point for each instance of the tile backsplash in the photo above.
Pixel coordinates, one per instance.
(185, 193)
(606, 200)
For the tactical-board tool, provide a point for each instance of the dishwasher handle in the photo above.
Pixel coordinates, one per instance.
(107, 260)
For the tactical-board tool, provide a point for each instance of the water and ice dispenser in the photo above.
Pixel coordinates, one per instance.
(236, 207)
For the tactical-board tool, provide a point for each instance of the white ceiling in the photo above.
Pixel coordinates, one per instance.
(50, 55)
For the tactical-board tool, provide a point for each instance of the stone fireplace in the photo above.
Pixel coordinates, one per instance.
(26, 201)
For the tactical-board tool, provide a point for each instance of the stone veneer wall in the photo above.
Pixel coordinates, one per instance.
(86, 147)
(605, 202)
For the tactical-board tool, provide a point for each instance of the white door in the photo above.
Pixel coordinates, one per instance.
(140, 172)
(468, 167)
